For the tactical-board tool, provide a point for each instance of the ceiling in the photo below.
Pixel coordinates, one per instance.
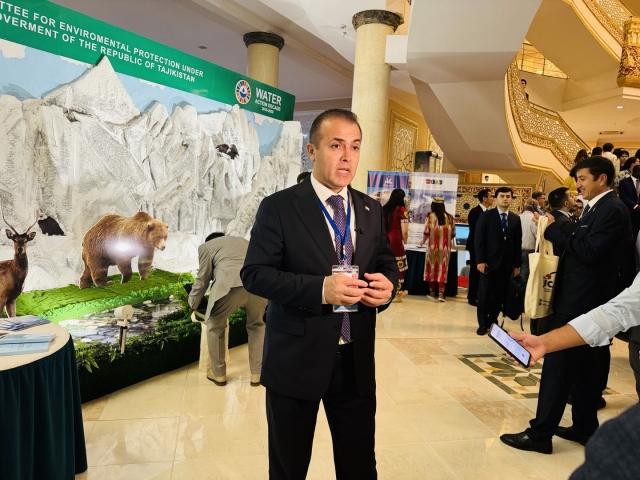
(310, 68)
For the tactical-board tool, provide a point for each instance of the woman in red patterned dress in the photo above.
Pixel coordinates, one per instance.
(397, 220)
(440, 230)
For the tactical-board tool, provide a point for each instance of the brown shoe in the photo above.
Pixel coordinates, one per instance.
(221, 381)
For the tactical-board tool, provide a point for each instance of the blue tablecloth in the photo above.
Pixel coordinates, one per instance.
(414, 276)
(41, 431)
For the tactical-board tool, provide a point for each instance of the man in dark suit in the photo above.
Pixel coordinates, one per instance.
(312, 353)
(630, 195)
(498, 243)
(563, 203)
(485, 200)
(585, 279)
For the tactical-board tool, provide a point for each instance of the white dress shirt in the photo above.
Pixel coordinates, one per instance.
(617, 315)
(614, 160)
(323, 194)
(529, 230)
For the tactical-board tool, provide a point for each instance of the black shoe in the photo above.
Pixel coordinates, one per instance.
(473, 303)
(481, 331)
(521, 441)
(602, 403)
(568, 433)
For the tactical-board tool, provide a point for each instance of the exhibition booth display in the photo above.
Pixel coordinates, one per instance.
(123, 154)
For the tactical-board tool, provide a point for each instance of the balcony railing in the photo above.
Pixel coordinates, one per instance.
(540, 126)
(611, 14)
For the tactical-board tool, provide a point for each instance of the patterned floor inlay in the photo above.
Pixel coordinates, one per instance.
(508, 376)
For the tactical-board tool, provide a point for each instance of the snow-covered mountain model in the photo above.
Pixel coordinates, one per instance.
(85, 151)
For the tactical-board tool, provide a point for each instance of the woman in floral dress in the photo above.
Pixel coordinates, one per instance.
(439, 231)
(397, 221)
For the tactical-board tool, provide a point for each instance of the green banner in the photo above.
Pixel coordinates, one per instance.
(46, 26)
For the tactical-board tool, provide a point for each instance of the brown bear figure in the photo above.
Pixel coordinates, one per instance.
(115, 240)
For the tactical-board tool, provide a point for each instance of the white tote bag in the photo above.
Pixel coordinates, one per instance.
(543, 265)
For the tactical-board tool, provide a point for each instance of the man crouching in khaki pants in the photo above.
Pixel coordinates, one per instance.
(221, 259)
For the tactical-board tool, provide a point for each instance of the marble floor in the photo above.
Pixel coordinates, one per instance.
(437, 418)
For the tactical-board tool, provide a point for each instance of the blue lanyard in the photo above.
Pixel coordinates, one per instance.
(342, 237)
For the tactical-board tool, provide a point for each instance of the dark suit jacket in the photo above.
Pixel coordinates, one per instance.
(629, 196)
(612, 452)
(567, 226)
(289, 256)
(472, 218)
(589, 267)
(491, 246)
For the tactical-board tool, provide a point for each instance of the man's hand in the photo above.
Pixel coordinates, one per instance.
(516, 272)
(533, 344)
(551, 219)
(379, 290)
(342, 290)
(482, 267)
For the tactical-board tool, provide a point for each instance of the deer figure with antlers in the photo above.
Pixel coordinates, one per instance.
(13, 272)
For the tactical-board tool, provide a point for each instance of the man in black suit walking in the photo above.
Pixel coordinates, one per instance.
(311, 352)
(585, 279)
(498, 243)
(630, 196)
(485, 201)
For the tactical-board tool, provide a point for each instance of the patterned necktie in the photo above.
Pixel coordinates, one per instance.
(340, 218)
(504, 222)
(586, 211)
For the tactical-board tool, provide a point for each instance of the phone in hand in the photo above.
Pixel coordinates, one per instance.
(513, 348)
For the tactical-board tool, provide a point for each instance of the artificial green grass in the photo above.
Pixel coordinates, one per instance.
(71, 302)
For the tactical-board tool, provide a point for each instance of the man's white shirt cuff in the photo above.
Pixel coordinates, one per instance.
(590, 331)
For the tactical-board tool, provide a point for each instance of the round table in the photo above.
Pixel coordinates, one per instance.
(41, 431)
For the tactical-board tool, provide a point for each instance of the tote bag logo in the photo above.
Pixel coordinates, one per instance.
(243, 92)
(548, 281)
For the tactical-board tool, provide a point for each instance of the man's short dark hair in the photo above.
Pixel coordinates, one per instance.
(503, 190)
(523, 81)
(468, 262)
(482, 194)
(302, 176)
(214, 235)
(630, 161)
(598, 166)
(596, 151)
(557, 197)
(579, 201)
(607, 147)
(537, 195)
(327, 115)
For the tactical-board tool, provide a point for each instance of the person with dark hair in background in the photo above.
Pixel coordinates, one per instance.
(485, 201)
(396, 220)
(302, 176)
(626, 170)
(630, 196)
(539, 197)
(439, 232)
(498, 243)
(221, 258)
(577, 210)
(596, 152)
(607, 152)
(563, 203)
(524, 87)
(585, 279)
(464, 271)
(304, 243)
(570, 181)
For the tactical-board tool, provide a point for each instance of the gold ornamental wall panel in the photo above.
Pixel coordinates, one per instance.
(468, 198)
(403, 139)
